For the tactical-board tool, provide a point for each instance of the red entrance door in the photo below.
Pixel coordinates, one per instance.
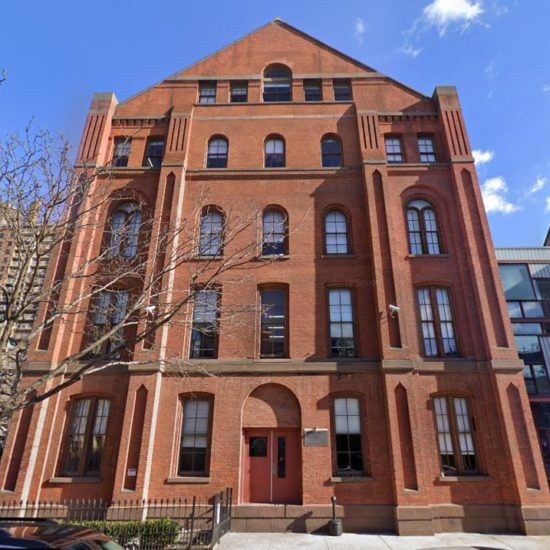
(272, 466)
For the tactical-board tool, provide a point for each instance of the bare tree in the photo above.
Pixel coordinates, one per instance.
(113, 298)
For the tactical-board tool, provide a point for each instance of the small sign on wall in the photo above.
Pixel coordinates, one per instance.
(315, 437)
(132, 472)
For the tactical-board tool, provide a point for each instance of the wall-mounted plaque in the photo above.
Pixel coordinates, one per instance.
(315, 437)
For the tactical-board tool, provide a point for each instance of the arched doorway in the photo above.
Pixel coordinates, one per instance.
(272, 448)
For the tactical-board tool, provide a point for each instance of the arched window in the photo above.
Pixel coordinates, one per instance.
(336, 233)
(274, 232)
(211, 237)
(277, 84)
(422, 226)
(331, 151)
(217, 153)
(274, 152)
(125, 224)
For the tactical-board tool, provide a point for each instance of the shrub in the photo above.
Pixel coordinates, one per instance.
(151, 533)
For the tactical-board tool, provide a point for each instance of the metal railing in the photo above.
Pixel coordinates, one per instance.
(193, 522)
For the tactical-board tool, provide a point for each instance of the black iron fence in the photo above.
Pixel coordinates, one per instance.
(153, 524)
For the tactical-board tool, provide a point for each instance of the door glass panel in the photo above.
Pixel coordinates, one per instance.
(258, 447)
(281, 456)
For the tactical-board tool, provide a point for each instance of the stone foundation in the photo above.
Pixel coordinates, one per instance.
(403, 520)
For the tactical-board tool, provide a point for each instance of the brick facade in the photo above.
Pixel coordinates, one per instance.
(402, 487)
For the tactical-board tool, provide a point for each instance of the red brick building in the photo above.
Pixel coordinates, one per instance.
(384, 372)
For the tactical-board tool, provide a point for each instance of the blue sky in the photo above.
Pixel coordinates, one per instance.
(497, 52)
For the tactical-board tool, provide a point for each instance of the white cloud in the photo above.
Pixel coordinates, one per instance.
(359, 30)
(409, 49)
(547, 204)
(482, 157)
(495, 191)
(443, 14)
(546, 88)
(491, 71)
(537, 186)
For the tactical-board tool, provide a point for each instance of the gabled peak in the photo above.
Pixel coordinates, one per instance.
(275, 42)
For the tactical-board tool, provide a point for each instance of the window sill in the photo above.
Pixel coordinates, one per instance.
(466, 478)
(338, 256)
(189, 480)
(273, 257)
(204, 258)
(75, 479)
(358, 479)
(428, 256)
(293, 102)
(122, 168)
(406, 164)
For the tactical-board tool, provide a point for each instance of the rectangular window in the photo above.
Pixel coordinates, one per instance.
(153, 153)
(204, 334)
(195, 436)
(347, 436)
(239, 91)
(342, 90)
(527, 328)
(455, 438)
(438, 332)
(394, 153)
(516, 282)
(536, 379)
(281, 456)
(543, 288)
(207, 91)
(527, 310)
(109, 310)
(532, 310)
(514, 310)
(121, 151)
(85, 437)
(533, 349)
(313, 90)
(341, 325)
(426, 149)
(541, 416)
(273, 333)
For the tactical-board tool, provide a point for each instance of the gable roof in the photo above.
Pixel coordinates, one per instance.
(291, 28)
(278, 22)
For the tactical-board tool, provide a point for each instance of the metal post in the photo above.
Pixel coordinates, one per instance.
(334, 525)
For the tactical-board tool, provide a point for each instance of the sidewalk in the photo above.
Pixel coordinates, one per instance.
(350, 541)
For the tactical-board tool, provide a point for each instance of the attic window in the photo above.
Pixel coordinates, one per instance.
(277, 84)
(313, 90)
(342, 90)
(207, 91)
